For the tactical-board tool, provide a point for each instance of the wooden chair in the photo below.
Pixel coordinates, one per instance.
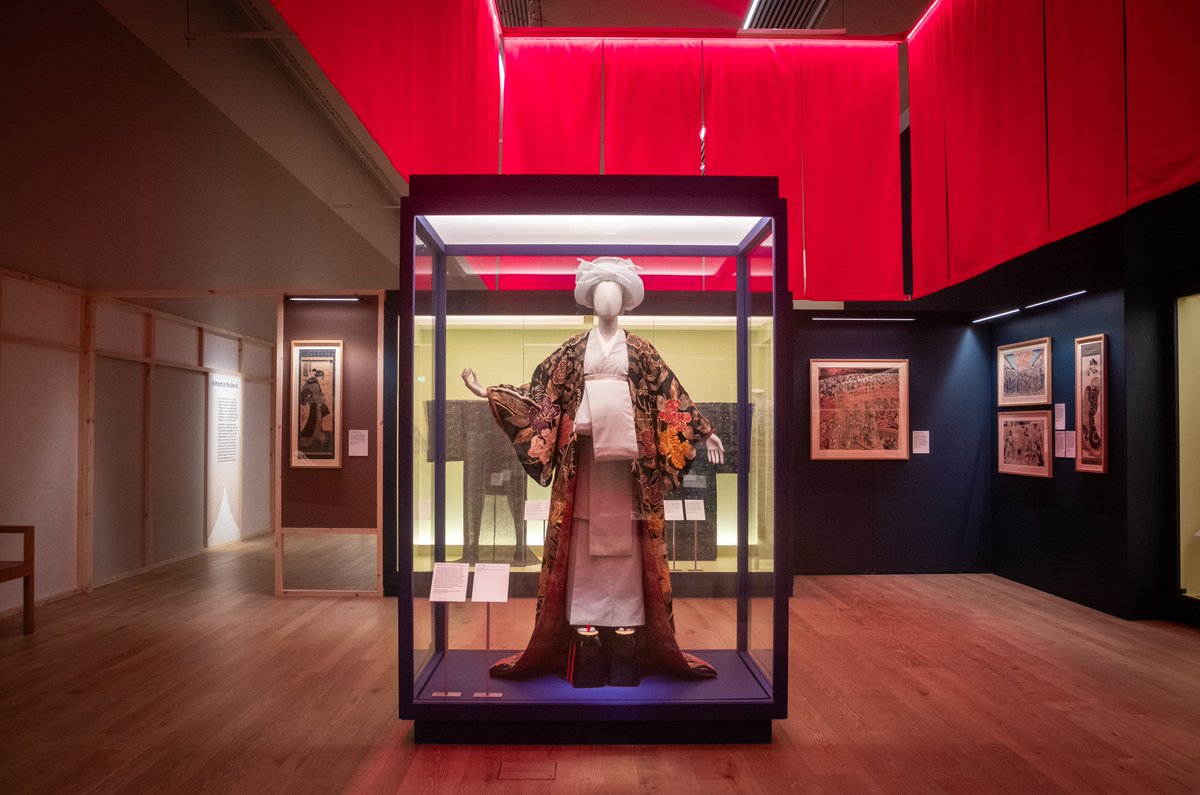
(12, 569)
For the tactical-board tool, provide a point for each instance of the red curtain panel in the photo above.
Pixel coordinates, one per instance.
(422, 77)
(1163, 74)
(752, 118)
(851, 151)
(652, 106)
(995, 133)
(1085, 100)
(552, 106)
(928, 46)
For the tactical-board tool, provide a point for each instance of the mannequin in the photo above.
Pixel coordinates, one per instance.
(606, 420)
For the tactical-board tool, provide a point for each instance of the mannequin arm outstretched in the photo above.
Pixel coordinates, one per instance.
(468, 377)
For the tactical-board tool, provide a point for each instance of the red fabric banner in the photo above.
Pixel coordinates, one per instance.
(850, 141)
(928, 47)
(1085, 99)
(552, 106)
(752, 119)
(652, 107)
(422, 77)
(1163, 74)
(995, 133)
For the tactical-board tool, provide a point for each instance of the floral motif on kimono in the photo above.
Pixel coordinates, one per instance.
(539, 418)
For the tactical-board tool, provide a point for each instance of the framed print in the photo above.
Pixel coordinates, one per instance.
(859, 408)
(1023, 373)
(1091, 404)
(316, 403)
(1026, 443)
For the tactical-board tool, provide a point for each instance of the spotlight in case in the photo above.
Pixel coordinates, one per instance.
(327, 298)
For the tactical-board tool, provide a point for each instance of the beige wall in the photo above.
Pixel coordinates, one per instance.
(1189, 444)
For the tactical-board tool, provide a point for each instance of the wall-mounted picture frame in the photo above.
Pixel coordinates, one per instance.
(859, 409)
(316, 403)
(1091, 404)
(1023, 373)
(1025, 443)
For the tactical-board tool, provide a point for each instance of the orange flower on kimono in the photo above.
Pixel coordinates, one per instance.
(676, 450)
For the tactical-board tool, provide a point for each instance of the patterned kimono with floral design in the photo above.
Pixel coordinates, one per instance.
(539, 417)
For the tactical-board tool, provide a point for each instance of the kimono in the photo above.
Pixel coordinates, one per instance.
(539, 418)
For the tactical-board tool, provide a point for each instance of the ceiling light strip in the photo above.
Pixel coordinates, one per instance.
(869, 319)
(1059, 298)
(998, 314)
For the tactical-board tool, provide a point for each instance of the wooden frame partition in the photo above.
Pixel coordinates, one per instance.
(282, 532)
(83, 483)
(59, 318)
(150, 357)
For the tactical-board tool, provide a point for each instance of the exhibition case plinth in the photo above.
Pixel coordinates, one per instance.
(589, 439)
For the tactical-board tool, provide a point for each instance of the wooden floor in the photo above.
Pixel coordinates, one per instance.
(194, 678)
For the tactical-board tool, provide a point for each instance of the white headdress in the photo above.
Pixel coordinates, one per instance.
(618, 270)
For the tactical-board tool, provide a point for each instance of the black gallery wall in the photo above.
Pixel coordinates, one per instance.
(1066, 534)
(926, 514)
(1105, 541)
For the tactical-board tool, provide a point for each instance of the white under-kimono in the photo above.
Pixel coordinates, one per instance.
(604, 578)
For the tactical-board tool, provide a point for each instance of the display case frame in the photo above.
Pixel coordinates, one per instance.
(609, 716)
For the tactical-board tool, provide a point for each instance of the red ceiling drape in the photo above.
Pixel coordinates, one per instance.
(1035, 99)
(1019, 112)
(752, 117)
(652, 106)
(422, 77)
(1163, 74)
(927, 51)
(552, 106)
(1085, 99)
(851, 150)
(995, 133)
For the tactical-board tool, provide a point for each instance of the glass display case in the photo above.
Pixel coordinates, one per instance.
(502, 429)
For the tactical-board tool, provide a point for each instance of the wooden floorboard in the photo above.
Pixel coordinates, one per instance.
(195, 678)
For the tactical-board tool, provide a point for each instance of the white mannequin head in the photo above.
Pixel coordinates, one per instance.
(616, 270)
(607, 298)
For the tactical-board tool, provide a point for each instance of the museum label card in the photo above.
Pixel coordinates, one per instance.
(694, 510)
(694, 481)
(1060, 416)
(537, 510)
(673, 510)
(491, 583)
(449, 582)
(1069, 438)
(359, 443)
(920, 442)
(1060, 444)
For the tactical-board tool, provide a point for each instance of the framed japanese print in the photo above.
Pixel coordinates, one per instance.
(1091, 404)
(1023, 373)
(316, 403)
(1025, 443)
(859, 408)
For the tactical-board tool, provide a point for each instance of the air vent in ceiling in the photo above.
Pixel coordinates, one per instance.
(790, 14)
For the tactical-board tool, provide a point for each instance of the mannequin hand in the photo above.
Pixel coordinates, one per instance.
(468, 377)
(714, 449)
